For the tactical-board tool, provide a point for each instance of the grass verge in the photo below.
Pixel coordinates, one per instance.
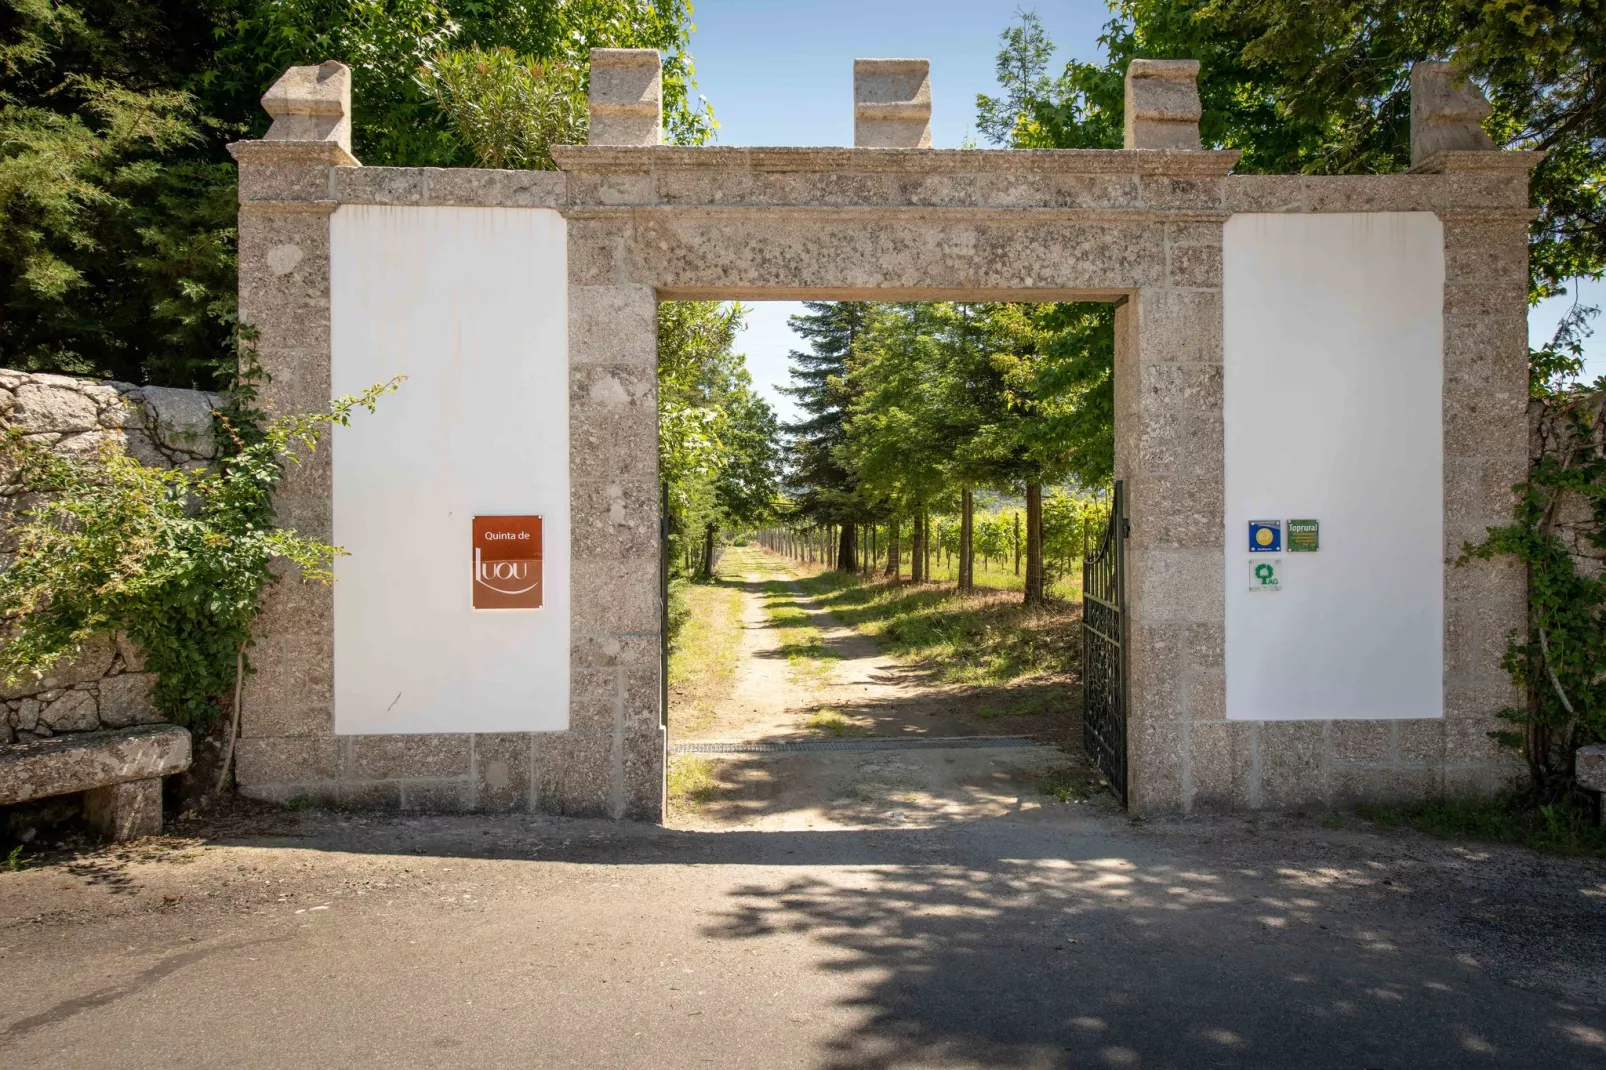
(705, 650)
(691, 782)
(1566, 828)
(984, 638)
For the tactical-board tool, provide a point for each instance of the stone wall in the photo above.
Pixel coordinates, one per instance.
(105, 685)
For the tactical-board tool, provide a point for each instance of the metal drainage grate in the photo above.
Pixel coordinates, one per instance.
(812, 745)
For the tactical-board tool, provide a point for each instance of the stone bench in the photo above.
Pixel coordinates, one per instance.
(119, 773)
(1589, 768)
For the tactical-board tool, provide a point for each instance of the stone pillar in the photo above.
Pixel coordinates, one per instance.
(287, 719)
(1162, 104)
(892, 103)
(125, 811)
(1447, 114)
(626, 96)
(1169, 451)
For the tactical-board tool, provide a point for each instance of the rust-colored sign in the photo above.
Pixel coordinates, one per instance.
(507, 562)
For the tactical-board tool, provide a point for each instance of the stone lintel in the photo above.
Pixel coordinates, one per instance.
(1162, 108)
(595, 159)
(626, 97)
(892, 103)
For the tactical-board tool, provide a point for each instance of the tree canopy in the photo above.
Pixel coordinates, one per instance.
(117, 194)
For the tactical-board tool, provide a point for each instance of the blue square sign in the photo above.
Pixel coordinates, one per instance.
(1265, 536)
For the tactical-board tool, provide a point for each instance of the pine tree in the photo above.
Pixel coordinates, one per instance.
(826, 488)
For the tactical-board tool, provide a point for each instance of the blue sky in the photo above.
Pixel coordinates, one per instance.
(780, 72)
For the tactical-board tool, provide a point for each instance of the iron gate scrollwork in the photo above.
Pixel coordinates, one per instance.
(1104, 646)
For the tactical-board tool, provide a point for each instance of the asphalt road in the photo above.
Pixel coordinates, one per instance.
(1055, 939)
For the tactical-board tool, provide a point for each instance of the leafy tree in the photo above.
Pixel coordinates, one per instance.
(717, 439)
(117, 194)
(1325, 89)
(506, 109)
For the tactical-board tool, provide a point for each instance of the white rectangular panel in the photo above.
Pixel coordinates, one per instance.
(471, 305)
(1333, 411)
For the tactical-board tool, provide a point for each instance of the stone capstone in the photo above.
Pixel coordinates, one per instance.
(1447, 112)
(626, 96)
(1162, 104)
(311, 103)
(892, 103)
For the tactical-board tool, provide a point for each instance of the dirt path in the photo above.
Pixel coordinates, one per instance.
(805, 678)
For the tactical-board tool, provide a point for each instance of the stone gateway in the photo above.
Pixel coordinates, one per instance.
(522, 307)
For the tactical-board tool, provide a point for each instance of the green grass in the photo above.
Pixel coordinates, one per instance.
(14, 862)
(1063, 784)
(984, 638)
(831, 722)
(1563, 828)
(705, 649)
(690, 782)
(802, 642)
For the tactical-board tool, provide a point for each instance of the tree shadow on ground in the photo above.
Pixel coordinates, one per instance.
(1226, 942)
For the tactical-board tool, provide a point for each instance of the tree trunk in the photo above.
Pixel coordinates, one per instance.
(875, 551)
(894, 551)
(967, 541)
(1017, 544)
(847, 548)
(917, 550)
(1034, 545)
(706, 572)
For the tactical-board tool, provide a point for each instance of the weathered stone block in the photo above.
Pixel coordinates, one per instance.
(502, 772)
(1154, 767)
(1181, 584)
(74, 711)
(126, 700)
(645, 754)
(614, 520)
(1361, 742)
(484, 187)
(1219, 765)
(368, 794)
(285, 760)
(575, 774)
(1195, 266)
(614, 596)
(1292, 772)
(1447, 112)
(127, 810)
(594, 697)
(409, 757)
(66, 765)
(1420, 742)
(613, 325)
(311, 104)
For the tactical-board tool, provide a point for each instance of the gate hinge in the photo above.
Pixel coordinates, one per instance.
(1126, 528)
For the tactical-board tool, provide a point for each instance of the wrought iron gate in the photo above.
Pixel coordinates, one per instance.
(1104, 646)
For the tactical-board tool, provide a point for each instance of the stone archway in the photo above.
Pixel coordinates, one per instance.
(644, 222)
